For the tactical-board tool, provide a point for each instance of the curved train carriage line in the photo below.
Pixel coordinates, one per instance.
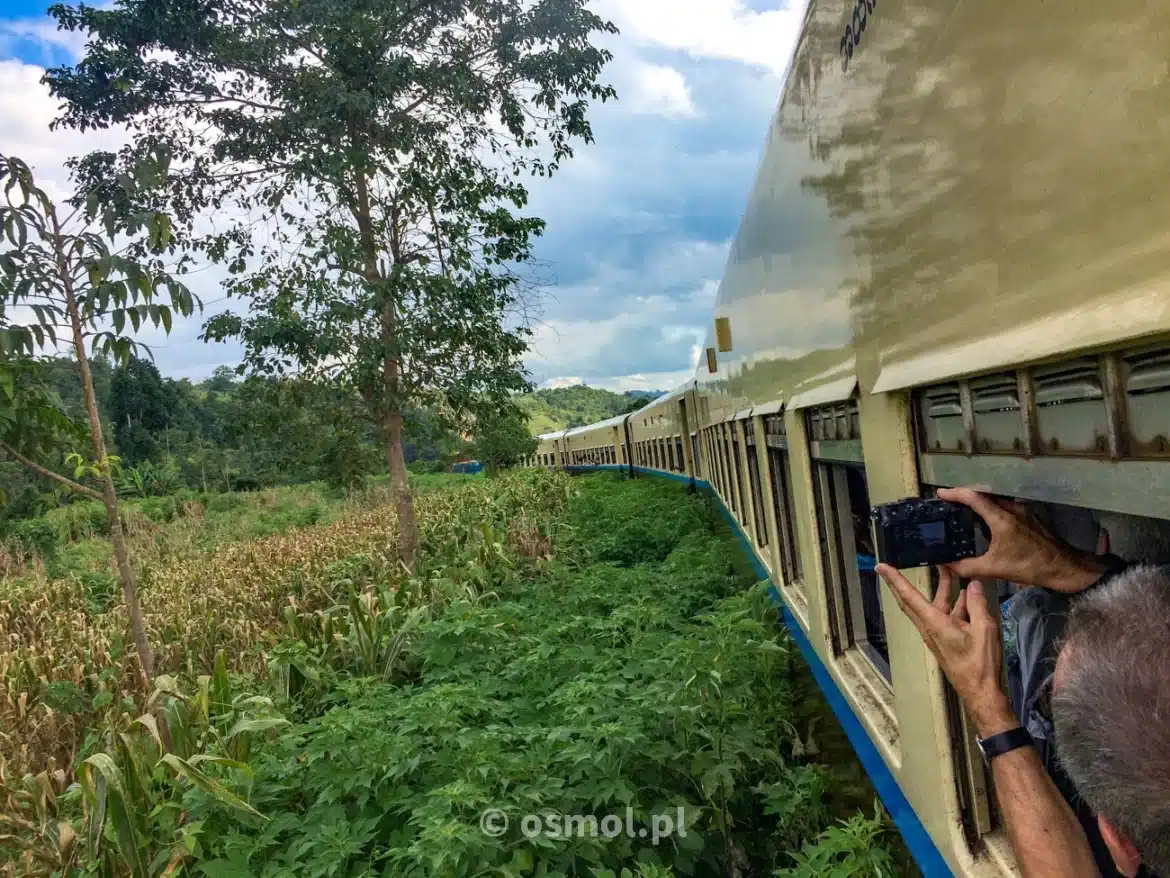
(952, 270)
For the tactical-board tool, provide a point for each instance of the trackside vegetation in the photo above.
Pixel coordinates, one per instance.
(561, 648)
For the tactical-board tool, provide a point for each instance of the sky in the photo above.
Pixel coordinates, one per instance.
(639, 223)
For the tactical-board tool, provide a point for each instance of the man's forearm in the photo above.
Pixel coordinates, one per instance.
(1044, 831)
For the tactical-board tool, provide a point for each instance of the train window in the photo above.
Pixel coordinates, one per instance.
(679, 457)
(717, 456)
(782, 499)
(842, 507)
(758, 516)
(721, 456)
(723, 449)
(712, 464)
(669, 453)
(695, 456)
(737, 468)
(942, 419)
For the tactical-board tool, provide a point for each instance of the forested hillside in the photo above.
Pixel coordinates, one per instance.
(227, 433)
(560, 407)
(221, 434)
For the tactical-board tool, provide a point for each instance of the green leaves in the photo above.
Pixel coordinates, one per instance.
(209, 785)
(594, 682)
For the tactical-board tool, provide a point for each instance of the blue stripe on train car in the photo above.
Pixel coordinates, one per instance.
(917, 839)
(467, 467)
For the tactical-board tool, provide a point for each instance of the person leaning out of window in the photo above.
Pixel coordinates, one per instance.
(1110, 693)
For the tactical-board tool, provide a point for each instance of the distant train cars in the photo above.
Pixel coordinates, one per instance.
(949, 271)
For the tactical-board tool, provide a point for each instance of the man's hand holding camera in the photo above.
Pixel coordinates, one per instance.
(1022, 550)
(965, 640)
(965, 636)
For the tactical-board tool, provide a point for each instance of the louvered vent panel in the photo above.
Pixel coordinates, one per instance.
(999, 420)
(941, 415)
(1148, 395)
(1070, 408)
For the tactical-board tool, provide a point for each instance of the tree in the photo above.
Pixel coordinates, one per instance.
(140, 407)
(61, 274)
(382, 146)
(222, 380)
(502, 438)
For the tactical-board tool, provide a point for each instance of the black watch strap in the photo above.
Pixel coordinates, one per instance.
(1004, 742)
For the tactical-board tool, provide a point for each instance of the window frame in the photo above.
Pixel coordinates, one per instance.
(835, 447)
(783, 500)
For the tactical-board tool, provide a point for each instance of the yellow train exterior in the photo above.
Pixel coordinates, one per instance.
(953, 269)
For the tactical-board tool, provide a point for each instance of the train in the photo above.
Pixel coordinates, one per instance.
(953, 269)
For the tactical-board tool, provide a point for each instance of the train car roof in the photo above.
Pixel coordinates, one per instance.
(597, 425)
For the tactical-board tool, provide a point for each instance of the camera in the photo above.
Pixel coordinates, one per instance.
(919, 533)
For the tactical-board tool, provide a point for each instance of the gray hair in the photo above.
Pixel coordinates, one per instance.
(1111, 708)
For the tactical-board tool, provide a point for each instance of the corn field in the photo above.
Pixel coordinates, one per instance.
(65, 669)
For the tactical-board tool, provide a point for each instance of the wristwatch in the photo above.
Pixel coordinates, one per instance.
(1004, 742)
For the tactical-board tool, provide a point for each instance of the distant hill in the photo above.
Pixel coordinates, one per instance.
(561, 407)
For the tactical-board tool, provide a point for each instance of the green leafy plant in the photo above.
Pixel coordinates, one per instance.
(136, 821)
(853, 848)
(61, 268)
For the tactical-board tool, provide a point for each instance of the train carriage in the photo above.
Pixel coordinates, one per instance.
(952, 269)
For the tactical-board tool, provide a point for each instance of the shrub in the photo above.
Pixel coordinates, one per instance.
(35, 536)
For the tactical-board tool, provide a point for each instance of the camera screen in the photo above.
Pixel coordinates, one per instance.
(933, 533)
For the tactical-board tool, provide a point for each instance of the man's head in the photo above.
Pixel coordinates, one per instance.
(1111, 709)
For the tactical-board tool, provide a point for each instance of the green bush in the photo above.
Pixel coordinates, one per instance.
(225, 502)
(102, 589)
(640, 670)
(35, 535)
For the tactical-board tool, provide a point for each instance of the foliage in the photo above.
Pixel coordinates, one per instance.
(851, 848)
(221, 434)
(502, 438)
(206, 598)
(523, 665)
(614, 680)
(62, 270)
(383, 146)
(558, 408)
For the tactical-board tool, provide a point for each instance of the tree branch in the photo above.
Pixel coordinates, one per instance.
(438, 239)
(48, 473)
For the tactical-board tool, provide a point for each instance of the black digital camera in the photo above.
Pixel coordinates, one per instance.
(920, 533)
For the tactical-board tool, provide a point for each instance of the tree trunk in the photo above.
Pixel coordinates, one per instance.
(391, 414)
(400, 485)
(109, 495)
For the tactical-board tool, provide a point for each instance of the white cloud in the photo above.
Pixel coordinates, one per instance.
(26, 109)
(554, 383)
(719, 29)
(659, 90)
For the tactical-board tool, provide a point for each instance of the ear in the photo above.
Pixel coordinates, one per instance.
(1125, 855)
(1102, 542)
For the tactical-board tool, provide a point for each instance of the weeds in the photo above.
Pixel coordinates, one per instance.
(580, 648)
